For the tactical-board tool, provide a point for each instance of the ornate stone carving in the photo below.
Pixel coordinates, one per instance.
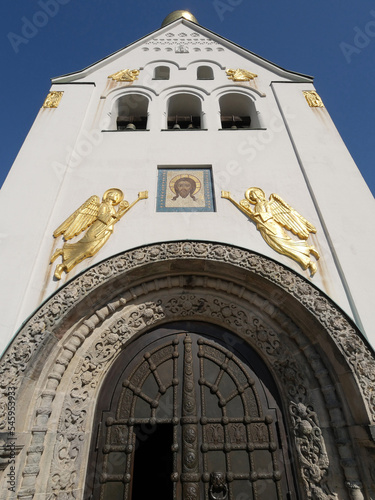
(71, 428)
(291, 378)
(148, 313)
(182, 48)
(62, 484)
(311, 451)
(181, 42)
(189, 305)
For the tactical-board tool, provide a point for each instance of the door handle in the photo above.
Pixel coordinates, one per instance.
(218, 487)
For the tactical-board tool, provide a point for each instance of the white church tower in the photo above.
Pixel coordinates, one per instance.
(186, 296)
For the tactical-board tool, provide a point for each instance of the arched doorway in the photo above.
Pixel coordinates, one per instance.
(191, 411)
(66, 351)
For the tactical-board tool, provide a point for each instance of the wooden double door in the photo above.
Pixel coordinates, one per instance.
(189, 412)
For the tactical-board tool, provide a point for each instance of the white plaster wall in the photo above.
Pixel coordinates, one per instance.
(67, 158)
(345, 203)
(27, 201)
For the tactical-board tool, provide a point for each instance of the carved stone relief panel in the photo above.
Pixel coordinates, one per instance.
(182, 42)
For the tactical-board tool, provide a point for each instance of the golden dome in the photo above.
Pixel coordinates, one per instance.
(177, 14)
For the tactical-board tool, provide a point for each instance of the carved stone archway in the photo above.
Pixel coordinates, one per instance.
(64, 350)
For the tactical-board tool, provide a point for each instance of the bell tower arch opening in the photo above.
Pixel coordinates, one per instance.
(184, 112)
(238, 111)
(132, 112)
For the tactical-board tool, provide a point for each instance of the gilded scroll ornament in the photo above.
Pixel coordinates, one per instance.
(313, 99)
(271, 217)
(99, 217)
(125, 75)
(240, 75)
(53, 100)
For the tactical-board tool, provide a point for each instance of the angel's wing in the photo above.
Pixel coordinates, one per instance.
(80, 220)
(248, 74)
(125, 75)
(240, 75)
(289, 218)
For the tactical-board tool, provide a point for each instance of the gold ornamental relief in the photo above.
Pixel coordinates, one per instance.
(53, 100)
(240, 75)
(125, 75)
(99, 218)
(313, 99)
(271, 217)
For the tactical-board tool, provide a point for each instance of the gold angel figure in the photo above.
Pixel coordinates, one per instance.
(99, 217)
(313, 99)
(53, 99)
(271, 217)
(125, 75)
(240, 75)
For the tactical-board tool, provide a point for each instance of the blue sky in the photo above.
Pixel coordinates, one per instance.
(333, 40)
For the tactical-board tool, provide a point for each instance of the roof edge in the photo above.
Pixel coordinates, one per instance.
(85, 71)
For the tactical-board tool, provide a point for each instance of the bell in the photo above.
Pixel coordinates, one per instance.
(176, 126)
(131, 126)
(233, 127)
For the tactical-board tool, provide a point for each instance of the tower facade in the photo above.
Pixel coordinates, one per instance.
(190, 294)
